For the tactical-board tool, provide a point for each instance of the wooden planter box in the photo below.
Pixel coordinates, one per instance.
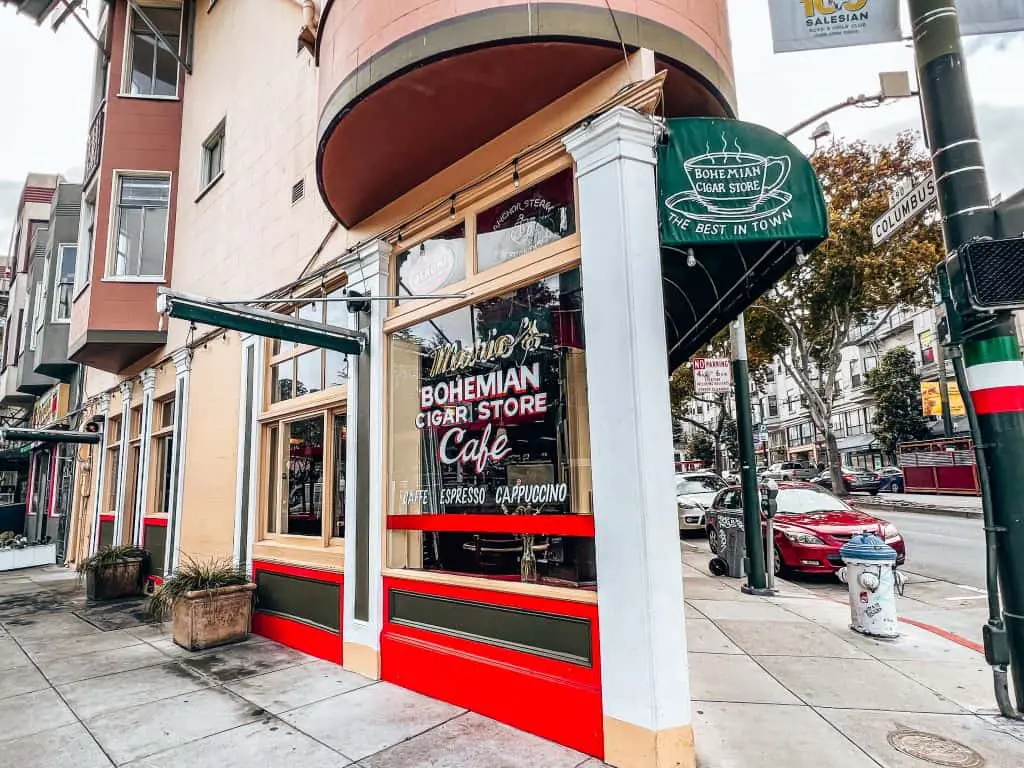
(109, 582)
(29, 557)
(205, 618)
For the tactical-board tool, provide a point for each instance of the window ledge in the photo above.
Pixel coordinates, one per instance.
(288, 549)
(142, 280)
(144, 97)
(567, 594)
(209, 186)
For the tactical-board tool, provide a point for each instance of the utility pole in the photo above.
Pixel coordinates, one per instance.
(995, 375)
(756, 582)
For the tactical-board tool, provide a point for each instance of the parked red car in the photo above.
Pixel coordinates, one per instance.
(810, 527)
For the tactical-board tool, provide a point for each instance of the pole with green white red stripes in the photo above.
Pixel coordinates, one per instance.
(995, 374)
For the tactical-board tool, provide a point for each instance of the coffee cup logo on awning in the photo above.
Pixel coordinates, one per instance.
(733, 193)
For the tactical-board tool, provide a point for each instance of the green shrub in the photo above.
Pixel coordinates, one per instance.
(111, 556)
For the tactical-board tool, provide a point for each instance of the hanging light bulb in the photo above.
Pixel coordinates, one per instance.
(801, 257)
(451, 208)
(691, 258)
(515, 173)
(398, 238)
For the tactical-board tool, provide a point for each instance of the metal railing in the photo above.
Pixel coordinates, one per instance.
(94, 145)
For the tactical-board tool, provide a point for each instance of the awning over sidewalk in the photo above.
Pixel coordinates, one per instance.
(272, 325)
(25, 435)
(737, 203)
(856, 442)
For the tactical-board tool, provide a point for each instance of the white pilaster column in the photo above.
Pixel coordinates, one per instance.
(148, 378)
(183, 367)
(364, 471)
(99, 467)
(122, 465)
(644, 674)
(246, 488)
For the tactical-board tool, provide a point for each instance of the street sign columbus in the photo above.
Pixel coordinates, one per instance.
(712, 375)
(903, 210)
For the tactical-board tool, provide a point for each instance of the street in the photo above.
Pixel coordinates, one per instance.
(943, 548)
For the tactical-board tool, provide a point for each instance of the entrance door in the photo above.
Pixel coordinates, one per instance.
(40, 501)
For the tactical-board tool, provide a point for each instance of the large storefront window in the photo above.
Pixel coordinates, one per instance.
(489, 439)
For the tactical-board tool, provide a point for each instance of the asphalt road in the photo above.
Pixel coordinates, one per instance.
(943, 548)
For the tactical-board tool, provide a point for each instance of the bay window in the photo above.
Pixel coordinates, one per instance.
(64, 281)
(151, 68)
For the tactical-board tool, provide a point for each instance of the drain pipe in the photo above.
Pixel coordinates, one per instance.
(995, 627)
(310, 22)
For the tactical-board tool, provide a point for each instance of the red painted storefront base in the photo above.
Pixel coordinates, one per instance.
(299, 635)
(554, 699)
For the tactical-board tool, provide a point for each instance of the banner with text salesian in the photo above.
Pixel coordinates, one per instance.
(803, 25)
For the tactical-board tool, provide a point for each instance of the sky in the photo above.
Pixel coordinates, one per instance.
(45, 82)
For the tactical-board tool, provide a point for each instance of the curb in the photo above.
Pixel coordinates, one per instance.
(921, 510)
(945, 634)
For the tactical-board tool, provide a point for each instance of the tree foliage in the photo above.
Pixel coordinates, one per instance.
(700, 447)
(896, 385)
(807, 317)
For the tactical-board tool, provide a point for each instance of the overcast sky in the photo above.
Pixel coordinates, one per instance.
(45, 90)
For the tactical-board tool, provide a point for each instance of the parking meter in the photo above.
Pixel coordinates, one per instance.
(770, 507)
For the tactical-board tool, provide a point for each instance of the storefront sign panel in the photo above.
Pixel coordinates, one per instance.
(802, 25)
(726, 181)
(51, 407)
(931, 399)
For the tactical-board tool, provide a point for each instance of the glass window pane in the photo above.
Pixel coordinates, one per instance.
(535, 217)
(167, 414)
(273, 494)
(147, 192)
(154, 242)
(489, 415)
(129, 240)
(308, 379)
(312, 311)
(167, 20)
(143, 54)
(165, 77)
(164, 473)
(282, 376)
(338, 502)
(305, 477)
(434, 263)
(335, 368)
(337, 312)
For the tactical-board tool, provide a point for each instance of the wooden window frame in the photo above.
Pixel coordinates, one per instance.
(113, 449)
(157, 434)
(548, 260)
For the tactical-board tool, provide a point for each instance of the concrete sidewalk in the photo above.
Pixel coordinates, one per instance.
(776, 682)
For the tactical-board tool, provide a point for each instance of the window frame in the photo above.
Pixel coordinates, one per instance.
(124, 91)
(218, 136)
(35, 332)
(114, 218)
(61, 248)
(115, 436)
(159, 435)
(86, 237)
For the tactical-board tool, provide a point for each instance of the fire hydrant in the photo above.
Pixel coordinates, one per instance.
(871, 577)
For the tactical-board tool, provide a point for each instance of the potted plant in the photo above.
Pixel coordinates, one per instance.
(210, 603)
(113, 572)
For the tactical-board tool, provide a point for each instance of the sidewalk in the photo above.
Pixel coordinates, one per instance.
(779, 682)
(954, 506)
(785, 677)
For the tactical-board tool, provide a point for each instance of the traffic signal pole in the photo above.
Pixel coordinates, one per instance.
(755, 560)
(991, 356)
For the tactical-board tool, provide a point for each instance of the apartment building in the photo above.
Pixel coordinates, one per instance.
(463, 166)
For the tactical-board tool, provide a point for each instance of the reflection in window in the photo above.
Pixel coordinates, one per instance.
(304, 492)
(488, 416)
(535, 217)
(434, 263)
(307, 378)
(338, 502)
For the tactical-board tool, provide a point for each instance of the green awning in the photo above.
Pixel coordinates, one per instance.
(26, 435)
(738, 202)
(271, 325)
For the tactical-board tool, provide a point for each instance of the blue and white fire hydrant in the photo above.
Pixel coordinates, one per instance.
(871, 577)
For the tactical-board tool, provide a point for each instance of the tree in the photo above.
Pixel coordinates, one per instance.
(700, 447)
(847, 282)
(896, 385)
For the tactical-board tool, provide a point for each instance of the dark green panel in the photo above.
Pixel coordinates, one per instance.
(106, 533)
(292, 597)
(156, 545)
(565, 638)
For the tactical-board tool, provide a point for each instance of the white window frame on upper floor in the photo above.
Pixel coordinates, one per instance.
(207, 178)
(125, 89)
(114, 219)
(61, 248)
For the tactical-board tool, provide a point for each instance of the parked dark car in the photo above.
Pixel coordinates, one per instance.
(891, 479)
(810, 526)
(856, 479)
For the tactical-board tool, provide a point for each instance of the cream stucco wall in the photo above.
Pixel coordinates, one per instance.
(244, 236)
